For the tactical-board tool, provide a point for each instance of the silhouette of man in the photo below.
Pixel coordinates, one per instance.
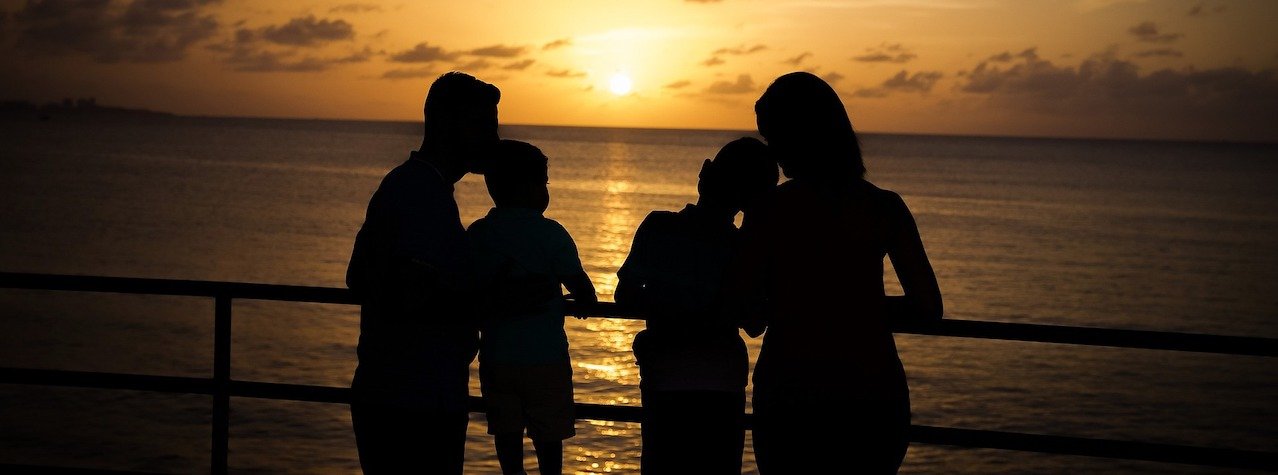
(411, 271)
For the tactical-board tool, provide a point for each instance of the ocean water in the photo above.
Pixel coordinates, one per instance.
(1118, 234)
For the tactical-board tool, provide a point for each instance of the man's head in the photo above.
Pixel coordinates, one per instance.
(741, 175)
(461, 121)
(517, 176)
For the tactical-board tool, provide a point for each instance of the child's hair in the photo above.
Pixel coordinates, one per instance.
(741, 174)
(515, 169)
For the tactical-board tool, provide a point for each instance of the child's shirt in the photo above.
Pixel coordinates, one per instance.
(511, 244)
(688, 345)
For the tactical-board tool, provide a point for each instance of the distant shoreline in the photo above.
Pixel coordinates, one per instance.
(80, 110)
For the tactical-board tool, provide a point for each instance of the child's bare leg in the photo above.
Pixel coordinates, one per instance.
(550, 456)
(510, 452)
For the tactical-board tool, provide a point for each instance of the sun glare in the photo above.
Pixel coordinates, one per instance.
(620, 84)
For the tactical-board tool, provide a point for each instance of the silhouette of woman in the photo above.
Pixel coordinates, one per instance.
(812, 275)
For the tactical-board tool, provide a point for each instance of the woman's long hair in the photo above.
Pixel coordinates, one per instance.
(808, 128)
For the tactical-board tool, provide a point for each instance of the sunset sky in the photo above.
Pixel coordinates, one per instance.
(1191, 69)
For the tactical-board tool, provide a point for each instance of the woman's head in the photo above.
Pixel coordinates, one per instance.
(808, 129)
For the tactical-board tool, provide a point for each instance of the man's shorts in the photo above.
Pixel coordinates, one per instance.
(536, 397)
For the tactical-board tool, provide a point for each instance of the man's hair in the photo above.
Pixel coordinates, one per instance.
(514, 166)
(450, 95)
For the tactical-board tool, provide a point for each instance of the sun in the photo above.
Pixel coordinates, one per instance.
(620, 84)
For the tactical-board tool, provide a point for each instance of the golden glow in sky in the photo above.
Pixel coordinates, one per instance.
(1180, 69)
(620, 84)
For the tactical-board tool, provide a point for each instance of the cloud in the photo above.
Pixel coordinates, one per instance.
(475, 65)
(519, 65)
(713, 61)
(832, 77)
(678, 84)
(142, 31)
(1159, 52)
(409, 73)
(246, 58)
(920, 82)
(1231, 99)
(279, 48)
(743, 84)
(795, 61)
(307, 31)
(559, 43)
(740, 50)
(1004, 57)
(423, 53)
(1201, 10)
(886, 53)
(356, 8)
(498, 51)
(1148, 32)
(566, 73)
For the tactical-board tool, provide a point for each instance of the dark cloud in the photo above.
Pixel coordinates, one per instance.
(423, 53)
(740, 50)
(409, 73)
(713, 61)
(356, 8)
(920, 82)
(742, 85)
(832, 77)
(254, 60)
(1231, 99)
(307, 31)
(1004, 57)
(498, 51)
(108, 31)
(559, 43)
(1201, 10)
(279, 48)
(1148, 32)
(519, 65)
(886, 53)
(797, 60)
(1159, 52)
(475, 65)
(678, 84)
(566, 73)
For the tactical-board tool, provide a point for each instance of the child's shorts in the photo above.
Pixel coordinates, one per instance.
(536, 397)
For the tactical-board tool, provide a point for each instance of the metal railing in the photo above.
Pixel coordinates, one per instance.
(221, 387)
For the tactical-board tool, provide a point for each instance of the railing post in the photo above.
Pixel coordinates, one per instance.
(221, 383)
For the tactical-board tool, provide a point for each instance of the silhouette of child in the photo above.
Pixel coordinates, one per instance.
(692, 362)
(524, 372)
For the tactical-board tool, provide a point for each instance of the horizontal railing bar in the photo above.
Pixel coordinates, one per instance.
(189, 288)
(974, 438)
(41, 470)
(1089, 336)
(1115, 449)
(1118, 338)
(94, 380)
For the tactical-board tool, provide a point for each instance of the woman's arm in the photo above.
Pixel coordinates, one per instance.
(922, 299)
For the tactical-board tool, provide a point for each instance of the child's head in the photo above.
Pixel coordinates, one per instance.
(517, 176)
(741, 175)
